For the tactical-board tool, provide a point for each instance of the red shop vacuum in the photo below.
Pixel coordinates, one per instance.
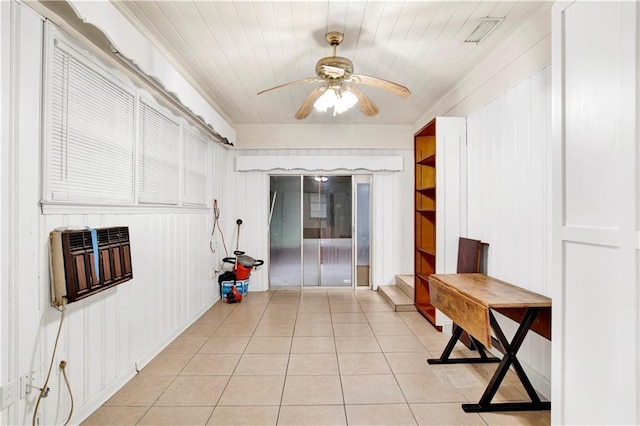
(235, 283)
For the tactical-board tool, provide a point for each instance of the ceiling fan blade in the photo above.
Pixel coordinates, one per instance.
(293, 83)
(307, 105)
(383, 84)
(364, 103)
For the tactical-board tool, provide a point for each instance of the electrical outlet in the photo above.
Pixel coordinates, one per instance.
(9, 394)
(26, 384)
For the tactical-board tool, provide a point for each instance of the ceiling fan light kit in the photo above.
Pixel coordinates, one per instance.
(339, 90)
(337, 99)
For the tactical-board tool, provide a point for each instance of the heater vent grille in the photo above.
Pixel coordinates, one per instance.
(82, 264)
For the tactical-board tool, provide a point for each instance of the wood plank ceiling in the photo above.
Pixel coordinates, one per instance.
(231, 50)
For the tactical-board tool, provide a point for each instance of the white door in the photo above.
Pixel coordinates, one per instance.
(596, 330)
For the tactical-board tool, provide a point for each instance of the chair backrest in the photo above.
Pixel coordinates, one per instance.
(468, 255)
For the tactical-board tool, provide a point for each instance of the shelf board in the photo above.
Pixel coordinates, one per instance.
(426, 210)
(429, 160)
(423, 277)
(430, 251)
(426, 188)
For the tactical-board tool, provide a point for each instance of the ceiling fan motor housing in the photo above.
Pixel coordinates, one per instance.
(334, 67)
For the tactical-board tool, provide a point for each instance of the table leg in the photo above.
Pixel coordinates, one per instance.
(511, 350)
(444, 357)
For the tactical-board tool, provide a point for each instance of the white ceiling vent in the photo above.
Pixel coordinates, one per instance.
(485, 27)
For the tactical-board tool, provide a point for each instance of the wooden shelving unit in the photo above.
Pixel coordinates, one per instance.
(425, 218)
(440, 183)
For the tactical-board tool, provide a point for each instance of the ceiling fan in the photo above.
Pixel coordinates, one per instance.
(340, 85)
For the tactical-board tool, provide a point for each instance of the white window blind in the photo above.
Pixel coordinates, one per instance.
(158, 156)
(195, 169)
(91, 132)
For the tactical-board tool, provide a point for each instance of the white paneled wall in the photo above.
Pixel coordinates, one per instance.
(107, 336)
(391, 215)
(508, 192)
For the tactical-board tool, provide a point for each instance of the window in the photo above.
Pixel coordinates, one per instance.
(318, 206)
(195, 169)
(91, 137)
(158, 156)
(108, 142)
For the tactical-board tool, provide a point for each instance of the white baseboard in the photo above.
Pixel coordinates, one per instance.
(96, 402)
(150, 355)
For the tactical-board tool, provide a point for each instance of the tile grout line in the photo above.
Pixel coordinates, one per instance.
(178, 374)
(335, 346)
(237, 363)
(286, 371)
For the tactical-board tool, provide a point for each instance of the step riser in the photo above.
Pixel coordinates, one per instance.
(405, 283)
(386, 297)
(390, 293)
(405, 288)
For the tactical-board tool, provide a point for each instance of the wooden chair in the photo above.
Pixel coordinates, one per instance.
(469, 255)
(470, 260)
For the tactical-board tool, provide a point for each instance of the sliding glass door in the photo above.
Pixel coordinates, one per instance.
(327, 246)
(285, 232)
(311, 231)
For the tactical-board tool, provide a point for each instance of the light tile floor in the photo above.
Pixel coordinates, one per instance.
(321, 357)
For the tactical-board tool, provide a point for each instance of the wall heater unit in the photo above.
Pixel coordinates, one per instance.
(86, 261)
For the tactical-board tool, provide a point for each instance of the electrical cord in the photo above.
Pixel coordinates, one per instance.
(216, 224)
(63, 365)
(45, 389)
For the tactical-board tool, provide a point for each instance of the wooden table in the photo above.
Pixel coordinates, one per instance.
(470, 300)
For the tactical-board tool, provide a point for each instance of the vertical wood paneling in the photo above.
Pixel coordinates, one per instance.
(381, 237)
(21, 35)
(221, 164)
(111, 342)
(404, 244)
(506, 177)
(106, 335)
(5, 195)
(508, 142)
(72, 348)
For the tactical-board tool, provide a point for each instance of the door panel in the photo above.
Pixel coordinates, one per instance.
(363, 221)
(327, 228)
(285, 267)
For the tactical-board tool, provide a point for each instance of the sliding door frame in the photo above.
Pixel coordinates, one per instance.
(355, 180)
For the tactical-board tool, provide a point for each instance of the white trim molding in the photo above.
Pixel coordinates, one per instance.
(129, 43)
(265, 163)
